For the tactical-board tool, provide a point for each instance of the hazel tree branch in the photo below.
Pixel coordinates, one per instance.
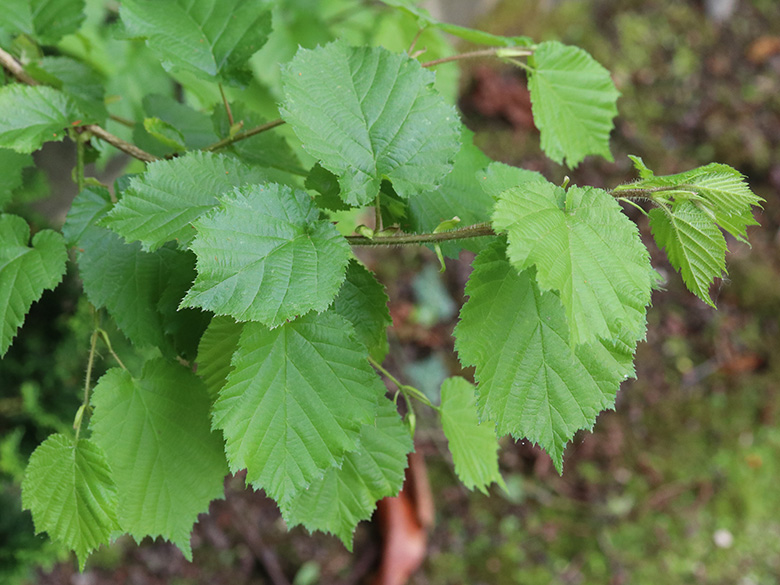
(477, 230)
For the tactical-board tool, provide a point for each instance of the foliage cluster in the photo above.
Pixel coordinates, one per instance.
(217, 256)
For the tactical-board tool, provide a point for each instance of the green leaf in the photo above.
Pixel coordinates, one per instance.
(716, 187)
(141, 290)
(531, 381)
(193, 129)
(167, 463)
(368, 114)
(82, 84)
(584, 247)
(165, 133)
(11, 166)
(573, 101)
(32, 115)
(498, 177)
(264, 256)
(473, 444)
(347, 494)
(47, 21)
(210, 38)
(295, 402)
(362, 300)
(71, 493)
(161, 204)
(25, 272)
(459, 195)
(469, 35)
(215, 352)
(694, 244)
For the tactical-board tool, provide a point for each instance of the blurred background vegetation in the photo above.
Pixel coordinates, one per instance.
(678, 485)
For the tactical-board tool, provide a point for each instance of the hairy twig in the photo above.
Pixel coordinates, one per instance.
(477, 230)
(244, 135)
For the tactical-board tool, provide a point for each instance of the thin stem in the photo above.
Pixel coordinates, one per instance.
(87, 382)
(121, 120)
(107, 341)
(16, 69)
(80, 162)
(227, 105)
(403, 388)
(378, 214)
(477, 230)
(492, 52)
(414, 41)
(244, 135)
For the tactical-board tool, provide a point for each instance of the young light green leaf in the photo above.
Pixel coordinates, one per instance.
(345, 495)
(195, 127)
(584, 247)
(473, 444)
(573, 101)
(459, 195)
(47, 21)
(368, 114)
(498, 177)
(161, 204)
(265, 256)
(694, 244)
(141, 290)
(167, 463)
(71, 493)
(531, 381)
(719, 188)
(362, 300)
(295, 402)
(32, 115)
(11, 166)
(25, 272)
(210, 38)
(215, 353)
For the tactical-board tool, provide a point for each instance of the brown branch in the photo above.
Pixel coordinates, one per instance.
(473, 231)
(15, 68)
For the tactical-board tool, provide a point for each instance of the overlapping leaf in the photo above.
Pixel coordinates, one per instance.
(211, 38)
(694, 244)
(25, 272)
(45, 20)
(215, 353)
(345, 495)
(78, 81)
(531, 381)
(498, 177)
(459, 195)
(368, 114)
(141, 290)
(295, 402)
(71, 493)
(473, 444)
(573, 100)
(362, 300)
(585, 248)
(11, 166)
(167, 463)
(32, 115)
(161, 205)
(265, 256)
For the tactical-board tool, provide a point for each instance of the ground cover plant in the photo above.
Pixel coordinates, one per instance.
(220, 250)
